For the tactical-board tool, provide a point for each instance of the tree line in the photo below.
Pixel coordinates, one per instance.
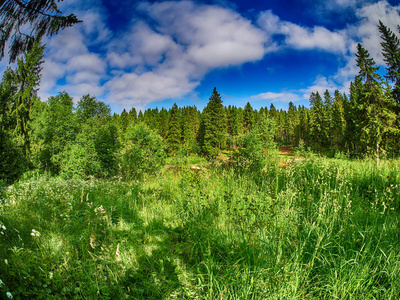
(87, 140)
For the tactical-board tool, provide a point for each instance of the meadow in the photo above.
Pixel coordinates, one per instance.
(316, 229)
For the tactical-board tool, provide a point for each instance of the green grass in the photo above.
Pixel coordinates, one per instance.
(316, 229)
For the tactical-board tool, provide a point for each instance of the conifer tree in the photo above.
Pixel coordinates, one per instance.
(173, 138)
(189, 124)
(303, 126)
(163, 123)
(376, 103)
(26, 78)
(327, 122)
(132, 116)
(123, 120)
(292, 125)
(316, 120)
(391, 53)
(338, 121)
(248, 116)
(214, 126)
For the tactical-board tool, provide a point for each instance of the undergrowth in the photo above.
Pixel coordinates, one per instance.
(316, 229)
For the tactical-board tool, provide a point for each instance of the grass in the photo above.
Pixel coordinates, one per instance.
(316, 229)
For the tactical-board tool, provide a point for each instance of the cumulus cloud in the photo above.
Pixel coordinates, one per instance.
(285, 97)
(368, 32)
(299, 37)
(185, 41)
(171, 45)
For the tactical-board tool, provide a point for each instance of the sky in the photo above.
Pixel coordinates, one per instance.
(148, 54)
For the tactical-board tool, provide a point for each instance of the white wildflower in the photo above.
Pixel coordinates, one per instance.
(99, 210)
(3, 227)
(9, 295)
(1, 282)
(35, 233)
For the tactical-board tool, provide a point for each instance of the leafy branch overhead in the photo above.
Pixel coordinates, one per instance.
(22, 22)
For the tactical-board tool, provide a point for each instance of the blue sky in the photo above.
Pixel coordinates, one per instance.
(147, 54)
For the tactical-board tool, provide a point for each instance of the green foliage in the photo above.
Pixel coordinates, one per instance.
(12, 159)
(173, 137)
(142, 153)
(375, 104)
(259, 150)
(42, 17)
(90, 108)
(107, 145)
(54, 127)
(80, 158)
(317, 229)
(391, 52)
(26, 79)
(317, 128)
(213, 126)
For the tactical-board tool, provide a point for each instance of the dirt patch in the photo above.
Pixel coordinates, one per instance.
(286, 150)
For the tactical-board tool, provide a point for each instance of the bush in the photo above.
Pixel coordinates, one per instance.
(143, 152)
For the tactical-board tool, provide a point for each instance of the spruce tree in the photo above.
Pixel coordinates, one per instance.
(163, 123)
(376, 103)
(391, 53)
(189, 116)
(26, 78)
(173, 138)
(214, 126)
(317, 120)
(248, 116)
(338, 121)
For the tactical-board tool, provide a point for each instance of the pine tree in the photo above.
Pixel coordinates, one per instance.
(327, 122)
(391, 53)
(132, 116)
(173, 138)
(293, 122)
(163, 123)
(317, 120)
(26, 78)
(214, 126)
(189, 125)
(123, 120)
(338, 121)
(376, 103)
(303, 126)
(248, 116)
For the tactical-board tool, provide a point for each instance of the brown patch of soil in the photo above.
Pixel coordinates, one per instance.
(286, 150)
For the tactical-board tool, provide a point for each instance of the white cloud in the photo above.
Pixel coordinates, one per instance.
(285, 97)
(170, 58)
(132, 89)
(172, 45)
(298, 37)
(368, 32)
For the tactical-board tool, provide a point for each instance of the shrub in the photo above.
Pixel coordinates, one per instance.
(143, 152)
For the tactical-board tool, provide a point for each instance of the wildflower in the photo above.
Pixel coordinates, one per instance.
(3, 227)
(99, 210)
(9, 295)
(1, 281)
(35, 233)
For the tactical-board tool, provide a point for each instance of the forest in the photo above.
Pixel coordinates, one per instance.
(178, 203)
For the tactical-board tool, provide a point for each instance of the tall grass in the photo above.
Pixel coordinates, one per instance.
(316, 229)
